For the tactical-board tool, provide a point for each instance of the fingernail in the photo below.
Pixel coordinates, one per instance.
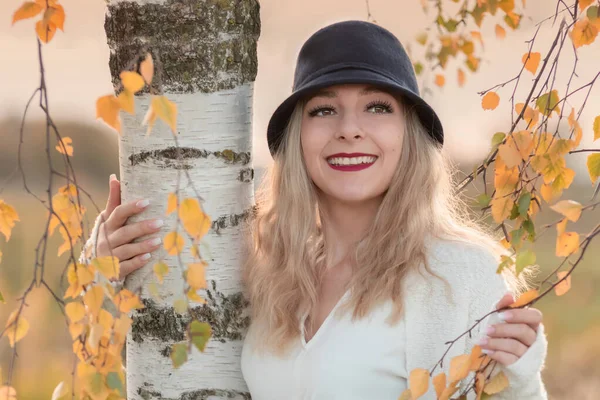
(146, 256)
(490, 329)
(112, 176)
(487, 351)
(157, 223)
(155, 241)
(505, 315)
(483, 341)
(142, 203)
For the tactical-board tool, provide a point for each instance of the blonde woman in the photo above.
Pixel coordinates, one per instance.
(362, 262)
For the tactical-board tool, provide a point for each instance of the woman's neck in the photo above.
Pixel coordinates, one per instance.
(346, 223)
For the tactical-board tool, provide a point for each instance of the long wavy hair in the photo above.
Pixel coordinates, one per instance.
(286, 255)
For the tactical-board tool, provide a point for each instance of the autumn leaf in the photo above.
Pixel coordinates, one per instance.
(45, 30)
(126, 301)
(8, 216)
(171, 203)
(160, 270)
(405, 395)
(583, 4)
(418, 382)
(459, 367)
(16, 331)
(593, 165)
(597, 128)
(108, 266)
(461, 77)
(178, 354)
(530, 115)
(201, 333)
(422, 38)
(509, 154)
(564, 286)
(548, 102)
(194, 220)
(66, 142)
(8, 393)
(58, 16)
(147, 68)
(75, 311)
(107, 108)
(93, 300)
(501, 207)
(531, 61)
(497, 383)
(440, 80)
(569, 208)
(490, 101)
(29, 9)
(195, 275)
(173, 243)
(584, 32)
(524, 259)
(567, 243)
(132, 81)
(525, 298)
(439, 383)
(507, 5)
(500, 32)
(165, 110)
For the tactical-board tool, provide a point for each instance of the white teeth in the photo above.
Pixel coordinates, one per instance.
(351, 160)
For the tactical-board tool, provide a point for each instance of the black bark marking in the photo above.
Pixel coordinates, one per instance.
(246, 175)
(197, 45)
(203, 394)
(175, 157)
(232, 220)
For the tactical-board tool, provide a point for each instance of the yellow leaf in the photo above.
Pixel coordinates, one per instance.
(28, 9)
(75, 311)
(180, 306)
(449, 391)
(565, 285)
(525, 298)
(583, 4)
(126, 101)
(122, 325)
(93, 300)
(171, 203)
(108, 266)
(498, 383)
(58, 16)
(584, 32)
(461, 77)
(8, 216)
(459, 367)
(477, 35)
(500, 32)
(490, 101)
(597, 128)
(153, 290)
(132, 81)
(567, 243)
(531, 116)
(507, 5)
(524, 143)
(194, 220)
(60, 391)
(45, 30)
(165, 110)
(418, 382)
(66, 144)
(16, 331)
(105, 319)
(193, 296)
(569, 208)
(94, 337)
(479, 384)
(126, 301)
(593, 165)
(8, 393)
(85, 274)
(160, 270)
(505, 179)
(440, 80)
(531, 61)
(501, 207)
(509, 153)
(548, 102)
(405, 395)
(196, 277)
(107, 108)
(173, 243)
(147, 68)
(439, 383)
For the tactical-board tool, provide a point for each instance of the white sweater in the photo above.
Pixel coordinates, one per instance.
(368, 359)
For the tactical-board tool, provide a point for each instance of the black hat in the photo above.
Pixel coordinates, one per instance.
(353, 52)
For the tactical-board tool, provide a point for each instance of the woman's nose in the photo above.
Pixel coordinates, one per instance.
(349, 127)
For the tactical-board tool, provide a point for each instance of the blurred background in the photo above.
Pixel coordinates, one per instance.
(77, 73)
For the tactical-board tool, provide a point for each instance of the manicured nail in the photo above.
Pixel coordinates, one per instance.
(483, 341)
(505, 315)
(146, 256)
(490, 329)
(112, 176)
(487, 351)
(155, 241)
(157, 223)
(142, 203)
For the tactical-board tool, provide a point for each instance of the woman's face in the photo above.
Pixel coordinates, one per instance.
(351, 138)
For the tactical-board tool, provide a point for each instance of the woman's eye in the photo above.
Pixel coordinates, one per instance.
(382, 107)
(317, 110)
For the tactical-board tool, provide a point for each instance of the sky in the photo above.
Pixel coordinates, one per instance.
(77, 66)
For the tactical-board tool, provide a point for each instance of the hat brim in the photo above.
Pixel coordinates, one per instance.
(281, 116)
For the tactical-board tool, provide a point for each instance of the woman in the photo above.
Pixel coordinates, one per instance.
(362, 263)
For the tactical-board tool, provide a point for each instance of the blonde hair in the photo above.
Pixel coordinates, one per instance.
(286, 252)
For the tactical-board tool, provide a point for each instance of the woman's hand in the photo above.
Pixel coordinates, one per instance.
(115, 239)
(507, 342)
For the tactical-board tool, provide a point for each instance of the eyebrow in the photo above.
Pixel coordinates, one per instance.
(329, 94)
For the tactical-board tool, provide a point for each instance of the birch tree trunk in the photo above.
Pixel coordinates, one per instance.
(205, 61)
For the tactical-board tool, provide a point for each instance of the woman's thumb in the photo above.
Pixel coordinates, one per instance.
(114, 194)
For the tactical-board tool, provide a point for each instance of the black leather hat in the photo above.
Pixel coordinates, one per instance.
(353, 52)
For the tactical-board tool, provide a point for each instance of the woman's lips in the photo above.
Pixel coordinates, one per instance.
(348, 168)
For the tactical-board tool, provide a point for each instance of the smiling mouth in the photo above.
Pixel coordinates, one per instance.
(346, 163)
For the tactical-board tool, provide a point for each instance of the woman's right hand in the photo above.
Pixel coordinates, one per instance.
(115, 238)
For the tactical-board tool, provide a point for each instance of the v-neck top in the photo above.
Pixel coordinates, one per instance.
(343, 360)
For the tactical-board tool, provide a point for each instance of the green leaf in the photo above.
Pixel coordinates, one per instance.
(530, 228)
(524, 201)
(422, 38)
(493, 6)
(506, 262)
(2, 298)
(524, 259)
(548, 102)
(593, 13)
(484, 199)
(514, 212)
(451, 25)
(498, 138)
(113, 381)
(97, 383)
(478, 13)
(179, 354)
(418, 68)
(201, 333)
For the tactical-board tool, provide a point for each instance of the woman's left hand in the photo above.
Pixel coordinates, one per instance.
(507, 342)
